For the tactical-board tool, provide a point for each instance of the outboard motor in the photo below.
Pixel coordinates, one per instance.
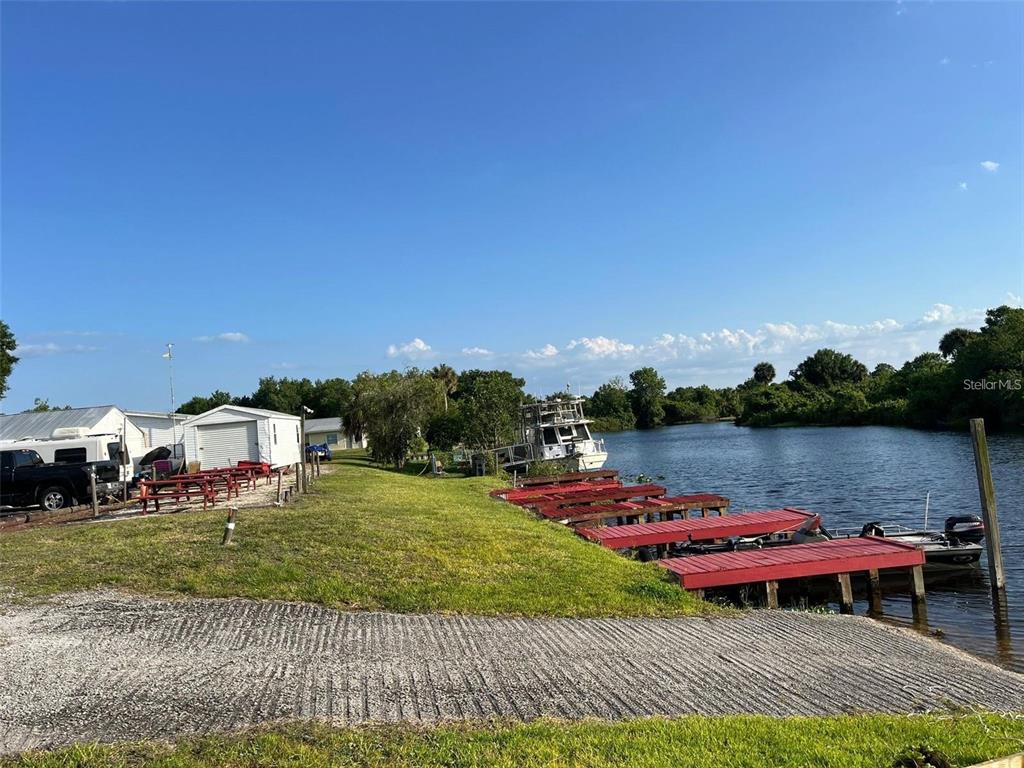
(969, 528)
(872, 529)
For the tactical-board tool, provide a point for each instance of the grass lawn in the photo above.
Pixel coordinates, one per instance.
(693, 742)
(368, 539)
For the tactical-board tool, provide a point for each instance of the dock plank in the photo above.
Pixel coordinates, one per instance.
(795, 561)
(757, 523)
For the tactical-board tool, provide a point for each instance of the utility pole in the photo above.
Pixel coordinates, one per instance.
(303, 410)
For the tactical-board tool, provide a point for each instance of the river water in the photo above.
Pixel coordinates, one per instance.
(852, 475)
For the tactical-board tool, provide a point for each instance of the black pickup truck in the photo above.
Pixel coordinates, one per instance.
(26, 481)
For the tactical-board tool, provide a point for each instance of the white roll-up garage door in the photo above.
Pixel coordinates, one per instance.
(224, 445)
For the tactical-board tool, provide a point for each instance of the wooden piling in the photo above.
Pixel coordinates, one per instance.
(917, 584)
(875, 590)
(772, 590)
(229, 527)
(279, 473)
(987, 491)
(92, 490)
(845, 593)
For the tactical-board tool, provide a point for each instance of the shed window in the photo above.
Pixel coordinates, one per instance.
(332, 438)
(275, 434)
(70, 456)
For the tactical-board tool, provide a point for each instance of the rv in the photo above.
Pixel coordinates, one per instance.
(73, 445)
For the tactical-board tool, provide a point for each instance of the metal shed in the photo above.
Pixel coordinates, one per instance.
(225, 435)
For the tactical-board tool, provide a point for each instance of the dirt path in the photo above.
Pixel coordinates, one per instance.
(105, 666)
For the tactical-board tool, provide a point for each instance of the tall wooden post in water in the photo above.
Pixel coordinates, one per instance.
(988, 504)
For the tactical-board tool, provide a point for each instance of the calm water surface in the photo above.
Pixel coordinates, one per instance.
(852, 475)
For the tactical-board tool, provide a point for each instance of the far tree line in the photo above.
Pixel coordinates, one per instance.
(972, 373)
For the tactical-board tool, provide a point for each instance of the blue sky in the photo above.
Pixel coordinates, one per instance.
(568, 191)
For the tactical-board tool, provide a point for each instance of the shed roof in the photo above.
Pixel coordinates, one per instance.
(242, 411)
(42, 423)
(330, 424)
(161, 415)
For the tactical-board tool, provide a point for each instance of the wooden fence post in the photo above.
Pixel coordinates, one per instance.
(279, 473)
(229, 527)
(92, 490)
(988, 504)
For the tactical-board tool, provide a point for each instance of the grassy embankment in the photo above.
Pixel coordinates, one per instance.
(368, 539)
(870, 741)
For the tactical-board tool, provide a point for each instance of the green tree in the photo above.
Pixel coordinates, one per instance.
(609, 406)
(826, 368)
(646, 397)
(988, 373)
(8, 344)
(764, 373)
(444, 431)
(448, 378)
(42, 405)
(356, 413)
(330, 397)
(200, 404)
(398, 408)
(955, 340)
(489, 402)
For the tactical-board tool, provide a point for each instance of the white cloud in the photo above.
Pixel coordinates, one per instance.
(476, 352)
(234, 337)
(944, 60)
(544, 353)
(284, 366)
(1014, 300)
(415, 349)
(989, 165)
(50, 348)
(726, 355)
(939, 313)
(601, 346)
(963, 186)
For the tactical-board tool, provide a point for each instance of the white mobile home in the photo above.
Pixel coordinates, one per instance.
(225, 435)
(332, 432)
(100, 420)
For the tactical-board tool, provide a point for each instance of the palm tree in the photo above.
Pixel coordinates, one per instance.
(449, 380)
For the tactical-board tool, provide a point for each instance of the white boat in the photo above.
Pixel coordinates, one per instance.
(555, 430)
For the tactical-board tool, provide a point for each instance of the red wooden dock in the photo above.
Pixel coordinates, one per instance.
(663, 507)
(604, 495)
(588, 475)
(701, 528)
(839, 556)
(525, 495)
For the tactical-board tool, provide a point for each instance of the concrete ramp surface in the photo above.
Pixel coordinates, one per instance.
(105, 666)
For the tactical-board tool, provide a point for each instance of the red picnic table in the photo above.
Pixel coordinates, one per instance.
(177, 488)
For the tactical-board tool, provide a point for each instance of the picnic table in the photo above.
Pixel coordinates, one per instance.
(177, 488)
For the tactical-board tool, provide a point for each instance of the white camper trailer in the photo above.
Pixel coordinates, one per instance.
(74, 445)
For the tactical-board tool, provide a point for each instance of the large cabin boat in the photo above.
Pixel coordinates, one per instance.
(555, 430)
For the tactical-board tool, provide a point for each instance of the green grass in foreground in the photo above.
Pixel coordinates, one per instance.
(367, 539)
(693, 742)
